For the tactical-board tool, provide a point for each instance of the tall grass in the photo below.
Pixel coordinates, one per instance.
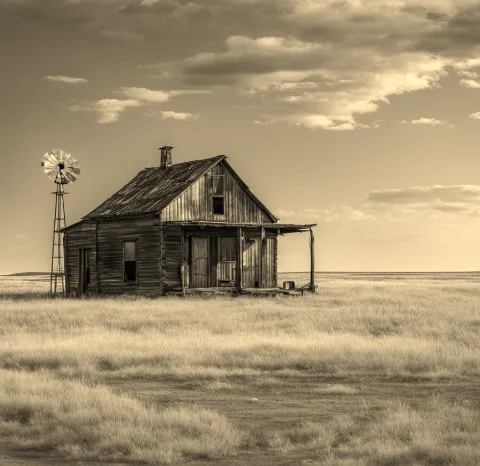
(390, 328)
(69, 419)
(421, 328)
(439, 432)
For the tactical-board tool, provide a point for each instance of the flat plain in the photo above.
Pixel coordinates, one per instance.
(375, 369)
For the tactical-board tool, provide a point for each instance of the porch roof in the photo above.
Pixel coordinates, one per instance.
(282, 228)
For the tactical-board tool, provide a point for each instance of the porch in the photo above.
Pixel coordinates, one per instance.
(229, 258)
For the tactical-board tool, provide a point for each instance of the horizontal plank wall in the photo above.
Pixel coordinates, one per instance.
(195, 203)
(172, 259)
(111, 235)
(80, 236)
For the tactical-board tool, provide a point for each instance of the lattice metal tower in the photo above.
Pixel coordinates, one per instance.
(62, 169)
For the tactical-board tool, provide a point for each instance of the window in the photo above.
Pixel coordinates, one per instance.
(218, 207)
(129, 262)
(217, 190)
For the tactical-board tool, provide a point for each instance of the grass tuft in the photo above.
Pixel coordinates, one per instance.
(39, 413)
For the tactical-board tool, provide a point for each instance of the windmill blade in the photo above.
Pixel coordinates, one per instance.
(49, 165)
(50, 160)
(70, 177)
(76, 171)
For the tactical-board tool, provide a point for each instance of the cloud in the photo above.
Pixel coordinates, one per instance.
(20, 236)
(428, 194)
(468, 74)
(409, 204)
(158, 96)
(107, 110)
(425, 121)
(474, 116)
(145, 95)
(470, 83)
(341, 60)
(327, 87)
(66, 79)
(170, 115)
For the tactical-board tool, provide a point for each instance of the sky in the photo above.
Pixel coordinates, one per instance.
(361, 116)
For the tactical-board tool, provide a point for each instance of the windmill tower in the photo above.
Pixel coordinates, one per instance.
(62, 169)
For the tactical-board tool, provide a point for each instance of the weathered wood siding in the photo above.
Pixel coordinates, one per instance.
(172, 259)
(195, 203)
(80, 236)
(111, 235)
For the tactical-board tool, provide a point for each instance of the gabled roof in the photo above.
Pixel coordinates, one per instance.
(154, 188)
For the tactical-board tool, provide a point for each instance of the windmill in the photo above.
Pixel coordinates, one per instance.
(62, 169)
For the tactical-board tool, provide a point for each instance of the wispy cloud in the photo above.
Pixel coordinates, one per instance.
(425, 121)
(158, 96)
(171, 115)
(474, 116)
(145, 95)
(468, 74)
(182, 116)
(66, 79)
(470, 83)
(107, 110)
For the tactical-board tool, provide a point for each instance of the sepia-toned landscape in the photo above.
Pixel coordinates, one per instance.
(375, 369)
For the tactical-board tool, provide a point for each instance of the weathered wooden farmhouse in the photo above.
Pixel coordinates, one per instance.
(177, 228)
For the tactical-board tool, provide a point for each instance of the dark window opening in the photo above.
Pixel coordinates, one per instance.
(130, 271)
(130, 262)
(218, 205)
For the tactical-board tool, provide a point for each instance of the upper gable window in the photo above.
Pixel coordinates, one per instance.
(217, 189)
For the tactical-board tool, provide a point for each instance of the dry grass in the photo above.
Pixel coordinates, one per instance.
(391, 328)
(72, 420)
(437, 433)
(353, 329)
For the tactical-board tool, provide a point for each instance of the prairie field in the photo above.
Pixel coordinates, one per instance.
(375, 369)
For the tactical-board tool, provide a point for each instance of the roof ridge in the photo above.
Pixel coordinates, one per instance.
(187, 161)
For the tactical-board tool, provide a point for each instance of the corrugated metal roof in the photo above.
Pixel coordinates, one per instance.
(153, 188)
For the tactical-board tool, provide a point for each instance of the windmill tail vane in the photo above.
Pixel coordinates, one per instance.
(61, 168)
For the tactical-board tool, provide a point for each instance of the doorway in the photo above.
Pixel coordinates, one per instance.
(200, 262)
(83, 271)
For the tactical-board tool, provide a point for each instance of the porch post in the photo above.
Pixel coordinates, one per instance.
(312, 262)
(260, 260)
(239, 264)
(182, 255)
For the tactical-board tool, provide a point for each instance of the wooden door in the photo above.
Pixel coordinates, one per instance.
(226, 261)
(83, 271)
(200, 262)
(251, 264)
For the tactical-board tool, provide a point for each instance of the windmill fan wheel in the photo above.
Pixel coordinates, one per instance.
(60, 166)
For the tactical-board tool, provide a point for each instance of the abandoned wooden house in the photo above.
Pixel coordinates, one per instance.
(177, 228)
